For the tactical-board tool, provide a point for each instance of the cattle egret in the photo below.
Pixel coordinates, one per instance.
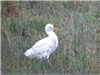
(44, 47)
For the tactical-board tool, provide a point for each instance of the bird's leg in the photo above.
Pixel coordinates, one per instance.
(50, 63)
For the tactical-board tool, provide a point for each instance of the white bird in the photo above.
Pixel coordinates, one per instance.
(44, 47)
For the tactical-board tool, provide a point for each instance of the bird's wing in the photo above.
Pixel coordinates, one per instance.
(41, 46)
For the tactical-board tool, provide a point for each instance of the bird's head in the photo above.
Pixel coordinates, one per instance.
(50, 27)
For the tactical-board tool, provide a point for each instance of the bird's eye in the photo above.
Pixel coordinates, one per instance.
(50, 27)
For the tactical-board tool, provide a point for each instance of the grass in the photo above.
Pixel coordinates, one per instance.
(78, 25)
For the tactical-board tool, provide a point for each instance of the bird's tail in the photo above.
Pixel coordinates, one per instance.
(28, 53)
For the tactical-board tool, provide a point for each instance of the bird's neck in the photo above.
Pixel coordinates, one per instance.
(52, 35)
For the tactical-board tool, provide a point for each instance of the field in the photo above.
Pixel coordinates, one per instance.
(78, 24)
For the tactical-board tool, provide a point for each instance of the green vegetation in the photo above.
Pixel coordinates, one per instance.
(78, 24)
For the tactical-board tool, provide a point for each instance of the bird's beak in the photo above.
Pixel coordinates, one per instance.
(54, 28)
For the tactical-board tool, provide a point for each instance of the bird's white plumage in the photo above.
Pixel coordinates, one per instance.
(43, 48)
